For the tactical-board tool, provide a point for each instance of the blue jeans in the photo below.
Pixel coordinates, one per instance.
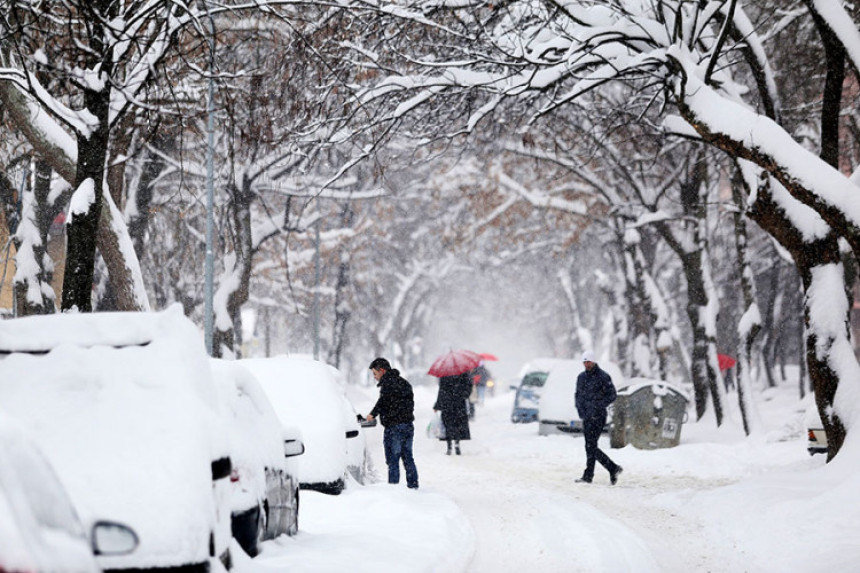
(397, 441)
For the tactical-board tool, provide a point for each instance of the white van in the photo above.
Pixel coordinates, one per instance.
(557, 410)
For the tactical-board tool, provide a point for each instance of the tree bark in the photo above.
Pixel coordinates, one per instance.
(342, 304)
(812, 257)
(225, 338)
(750, 324)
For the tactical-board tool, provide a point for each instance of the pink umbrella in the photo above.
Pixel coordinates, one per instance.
(488, 356)
(454, 362)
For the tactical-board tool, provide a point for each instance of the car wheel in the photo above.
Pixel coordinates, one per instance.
(294, 514)
(263, 527)
(245, 527)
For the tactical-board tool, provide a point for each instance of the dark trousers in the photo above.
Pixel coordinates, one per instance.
(591, 430)
(397, 441)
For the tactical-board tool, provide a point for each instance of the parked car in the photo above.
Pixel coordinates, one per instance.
(39, 528)
(557, 410)
(817, 439)
(124, 407)
(264, 479)
(527, 398)
(310, 394)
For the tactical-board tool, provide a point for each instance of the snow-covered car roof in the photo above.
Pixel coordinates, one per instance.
(540, 365)
(308, 393)
(44, 332)
(132, 430)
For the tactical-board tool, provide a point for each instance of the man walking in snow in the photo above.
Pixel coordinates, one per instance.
(594, 393)
(396, 411)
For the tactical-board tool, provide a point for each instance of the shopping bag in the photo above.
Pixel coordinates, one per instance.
(436, 429)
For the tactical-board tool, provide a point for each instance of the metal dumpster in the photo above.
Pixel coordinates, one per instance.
(648, 414)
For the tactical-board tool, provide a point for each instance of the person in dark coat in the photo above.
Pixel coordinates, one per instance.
(594, 393)
(396, 411)
(480, 376)
(453, 402)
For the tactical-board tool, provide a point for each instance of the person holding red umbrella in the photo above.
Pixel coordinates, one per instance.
(453, 401)
(455, 385)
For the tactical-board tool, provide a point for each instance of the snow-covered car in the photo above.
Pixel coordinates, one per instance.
(264, 479)
(528, 392)
(817, 439)
(557, 410)
(39, 527)
(310, 394)
(124, 407)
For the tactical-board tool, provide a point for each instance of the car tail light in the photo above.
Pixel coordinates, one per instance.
(234, 475)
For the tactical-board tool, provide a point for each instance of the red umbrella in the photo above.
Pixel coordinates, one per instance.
(725, 361)
(488, 356)
(454, 362)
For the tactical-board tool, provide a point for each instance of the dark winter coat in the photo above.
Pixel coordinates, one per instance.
(396, 404)
(594, 393)
(452, 402)
(480, 375)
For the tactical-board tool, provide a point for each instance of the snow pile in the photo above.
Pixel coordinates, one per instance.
(368, 529)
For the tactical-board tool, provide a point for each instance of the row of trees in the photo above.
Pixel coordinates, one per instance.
(617, 151)
(708, 74)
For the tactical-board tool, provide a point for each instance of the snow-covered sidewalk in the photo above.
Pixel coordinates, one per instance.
(509, 503)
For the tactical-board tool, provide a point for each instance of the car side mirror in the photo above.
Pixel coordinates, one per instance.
(221, 468)
(512, 387)
(111, 538)
(293, 448)
(352, 433)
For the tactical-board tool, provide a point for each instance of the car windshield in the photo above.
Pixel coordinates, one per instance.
(535, 379)
(27, 475)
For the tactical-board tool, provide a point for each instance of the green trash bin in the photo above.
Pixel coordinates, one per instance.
(648, 414)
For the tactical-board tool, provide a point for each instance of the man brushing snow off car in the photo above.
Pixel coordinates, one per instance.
(396, 409)
(594, 393)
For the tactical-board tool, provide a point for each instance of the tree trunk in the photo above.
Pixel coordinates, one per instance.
(750, 323)
(83, 226)
(822, 343)
(817, 261)
(614, 293)
(342, 303)
(238, 278)
(642, 314)
(33, 291)
(702, 304)
(704, 343)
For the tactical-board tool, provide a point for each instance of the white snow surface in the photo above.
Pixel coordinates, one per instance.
(123, 402)
(717, 502)
(308, 394)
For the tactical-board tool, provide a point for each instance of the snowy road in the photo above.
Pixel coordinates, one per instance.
(510, 504)
(518, 491)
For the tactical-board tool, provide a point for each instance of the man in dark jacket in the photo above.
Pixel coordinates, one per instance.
(594, 393)
(395, 409)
